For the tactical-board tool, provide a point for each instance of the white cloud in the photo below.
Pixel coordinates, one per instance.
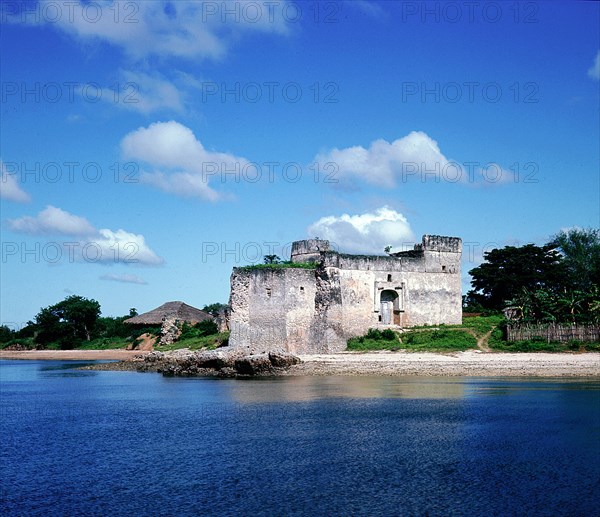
(52, 221)
(180, 164)
(188, 29)
(369, 233)
(145, 93)
(123, 246)
(383, 162)
(87, 243)
(9, 187)
(124, 278)
(594, 70)
(414, 157)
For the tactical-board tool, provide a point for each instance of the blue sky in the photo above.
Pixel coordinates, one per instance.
(149, 147)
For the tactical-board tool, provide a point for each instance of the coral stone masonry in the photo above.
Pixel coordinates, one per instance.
(316, 310)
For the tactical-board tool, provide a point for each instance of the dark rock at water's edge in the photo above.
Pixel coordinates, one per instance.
(283, 359)
(233, 362)
(254, 364)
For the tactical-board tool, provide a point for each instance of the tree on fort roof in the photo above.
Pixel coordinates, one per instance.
(272, 259)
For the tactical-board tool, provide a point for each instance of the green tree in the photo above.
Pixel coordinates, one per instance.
(214, 308)
(6, 334)
(272, 259)
(507, 271)
(68, 322)
(580, 249)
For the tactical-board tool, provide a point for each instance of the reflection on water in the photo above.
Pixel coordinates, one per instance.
(110, 443)
(303, 389)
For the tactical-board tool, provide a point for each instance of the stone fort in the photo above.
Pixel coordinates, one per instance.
(309, 310)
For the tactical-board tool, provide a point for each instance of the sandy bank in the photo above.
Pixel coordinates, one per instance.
(471, 363)
(70, 355)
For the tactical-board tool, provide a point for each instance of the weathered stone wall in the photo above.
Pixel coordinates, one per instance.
(309, 250)
(318, 310)
(271, 308)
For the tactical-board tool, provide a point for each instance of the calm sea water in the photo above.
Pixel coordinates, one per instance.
(111, 443)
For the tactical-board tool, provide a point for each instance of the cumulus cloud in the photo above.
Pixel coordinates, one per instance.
(86, 243)
(415, 156)
(368, 233)
(9, 187)
(190, 29)
(124, 278)
(594, 70)
(178, 162)
(123, 246)
(52, 221)
(383, 161)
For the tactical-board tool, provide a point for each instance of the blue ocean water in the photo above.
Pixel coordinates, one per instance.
(123, 443)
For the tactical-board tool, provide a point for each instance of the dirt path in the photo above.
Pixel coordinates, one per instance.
(482, 342)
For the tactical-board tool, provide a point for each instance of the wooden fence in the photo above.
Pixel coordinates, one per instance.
(553, 332)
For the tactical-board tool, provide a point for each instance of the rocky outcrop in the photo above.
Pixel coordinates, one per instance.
(254, 364)
(222, 363)
(283, 359)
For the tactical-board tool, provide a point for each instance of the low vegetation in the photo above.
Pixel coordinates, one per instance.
(483, 332)
(420, 340)
(75, 323)
(542, 345)
(208, 342)
(281, 265)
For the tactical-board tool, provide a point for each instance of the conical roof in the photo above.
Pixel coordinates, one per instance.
(182, 311)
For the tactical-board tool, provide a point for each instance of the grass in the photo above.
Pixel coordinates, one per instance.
(438, 341)
(542, 345)
(197, 343)
(478, 325)
(104, 343)
(444, 340)
(284, 265)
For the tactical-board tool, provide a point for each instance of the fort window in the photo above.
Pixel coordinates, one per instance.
(443, 268)
(389, 278)
(301, 289)
(268, 292)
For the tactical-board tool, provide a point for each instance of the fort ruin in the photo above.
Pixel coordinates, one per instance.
(308, 310)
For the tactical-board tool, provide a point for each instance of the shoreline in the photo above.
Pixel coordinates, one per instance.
(470, 363)
(458, 364)
(116, 354)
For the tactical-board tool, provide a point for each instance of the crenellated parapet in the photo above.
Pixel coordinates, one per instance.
(309, 250)
(441, 243)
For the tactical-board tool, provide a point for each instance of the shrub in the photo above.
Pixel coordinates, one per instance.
(201, 329)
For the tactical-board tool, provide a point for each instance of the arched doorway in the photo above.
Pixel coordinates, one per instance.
(389, 307)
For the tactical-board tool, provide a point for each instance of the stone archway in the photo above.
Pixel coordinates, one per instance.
(389, 307)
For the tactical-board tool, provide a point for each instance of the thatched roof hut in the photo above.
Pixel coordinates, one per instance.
(180, 310)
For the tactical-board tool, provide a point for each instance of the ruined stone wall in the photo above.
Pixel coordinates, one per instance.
(318, 310)
(432, 299)
(309, 250)
(271, 308)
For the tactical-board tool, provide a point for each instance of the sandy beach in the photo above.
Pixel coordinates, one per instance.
(471, 363)
(71, 355)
